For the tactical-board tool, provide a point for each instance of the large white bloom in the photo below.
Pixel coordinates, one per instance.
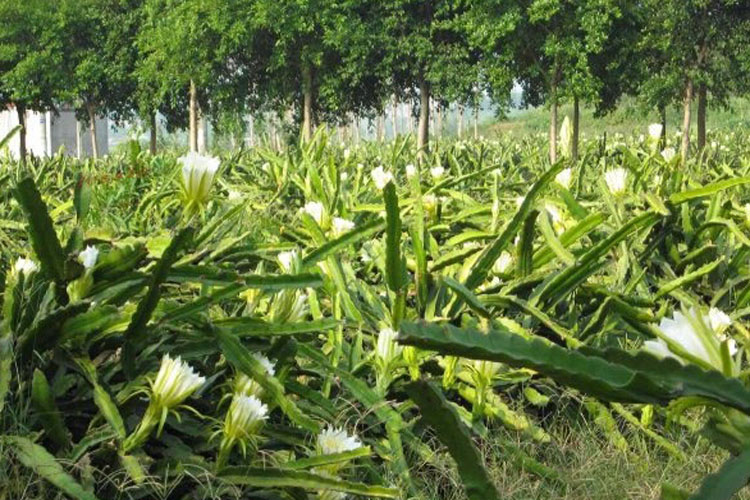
(381, 177)
(411, 171)
(88, 257)
(616, 180)
(333, 440)
(719, 320)
(503, 263)
(668, 154)
(693, 335)
(387, 348)
(245, 417)
(437, 172)
(287, 260)
(654, 131)
(25, 266)
(316, 210)
(198, 173)
(564, 178)
(566, 138)
(249, 387)
(175, 382)
(341, 226)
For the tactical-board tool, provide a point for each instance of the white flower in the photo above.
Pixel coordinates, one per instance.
(341, 226)
(693, 335)
(564, 178)
(718, 320)
(429, 201)
(566, 138)
(287, 260)
(25, 266)
(347, 153)
(88, 257)
(245, 417)
(411, 171)
(267, 364)
(668, 154)
(175, 381)
(344, 176)
(616, 180)
(316, 210)
(654, 130)
(503, 263)
(387, 348)
(381, 177)
(332, 441)
(437, 172)
(198, 173)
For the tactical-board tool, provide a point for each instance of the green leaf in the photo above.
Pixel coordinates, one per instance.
(334, 458)
(612, 375)
(394, 273)
(724, 483)
(252, 327)
(82, 197)
(451, 431)
(491, 253)
(50, 417)
(708, 190)
(43, 237)
(466, 295)
(570, 236)
(239, 357)
(343, 241)
(281, 478)
(687, 278)
(567, 280)
(136, 329)
(39, 460)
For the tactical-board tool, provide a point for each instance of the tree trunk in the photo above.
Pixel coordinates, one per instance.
(79, 140)
(21, 111)
(201, 140)
(152, 138)
(663, 115)
(394, 118)
(92, 129)
(553, 128)
(307, 104)
(380, 128)
(193, 129)
(702, 97)
(439, 120)
(685, 148)
(460, 121)
(576, 129)
(476, 120)
(423, 134)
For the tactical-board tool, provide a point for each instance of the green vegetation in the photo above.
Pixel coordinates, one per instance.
(557, 309)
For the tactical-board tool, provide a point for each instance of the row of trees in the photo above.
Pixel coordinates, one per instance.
(328, 61)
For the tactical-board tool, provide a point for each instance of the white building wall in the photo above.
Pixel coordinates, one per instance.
(49, 133)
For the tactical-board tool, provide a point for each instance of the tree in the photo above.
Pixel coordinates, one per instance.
(100, 58)
(555, 62)
(180, 60)
(428, 54)
(31, 53)
(695, 44)
(491, 30)
(324, 58)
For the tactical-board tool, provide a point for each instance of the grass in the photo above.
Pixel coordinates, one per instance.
(629, 118)
(591, 465)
